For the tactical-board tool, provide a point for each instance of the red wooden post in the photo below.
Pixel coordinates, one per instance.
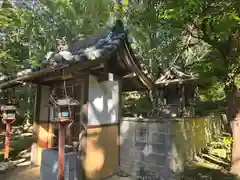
(8, 138)
(64, 119)
(61, 148)
(8, 117)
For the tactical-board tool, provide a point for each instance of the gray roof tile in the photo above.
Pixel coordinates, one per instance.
(89, 49)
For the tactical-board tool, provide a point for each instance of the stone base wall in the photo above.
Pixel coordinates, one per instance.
(158, 149)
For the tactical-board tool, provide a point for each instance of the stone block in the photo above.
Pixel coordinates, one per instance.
(49, 165)
(141, 134)
(126, 169)
(158, 171)
(50, 158)
(157, 138)
(147, 173)
(124, 151)
(155, 159)
(159, 148)
(126, 162)
(136, 166)
(162, 127)
(140, 145)
(167, 146)
(136, 154)
(47, 173)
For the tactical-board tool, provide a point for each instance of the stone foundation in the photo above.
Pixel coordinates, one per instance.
(158, 149)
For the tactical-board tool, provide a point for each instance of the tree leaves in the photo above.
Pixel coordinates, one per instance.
(197, 34)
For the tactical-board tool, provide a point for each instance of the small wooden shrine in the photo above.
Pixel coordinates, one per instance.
(176, 93)
(89, 72)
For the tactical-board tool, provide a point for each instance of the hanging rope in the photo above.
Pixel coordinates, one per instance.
(64, 85)
(65, 93)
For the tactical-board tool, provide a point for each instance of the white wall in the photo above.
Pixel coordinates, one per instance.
(103, 102)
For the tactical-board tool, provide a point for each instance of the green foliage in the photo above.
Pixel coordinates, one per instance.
(156, 44)
(198, 35)
(214, 91)
(136, 104)
(30, 33)
(227, 140)
(212, 22)
(204, 108)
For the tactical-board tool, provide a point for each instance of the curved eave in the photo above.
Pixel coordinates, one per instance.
(176, 81)
(131, 63)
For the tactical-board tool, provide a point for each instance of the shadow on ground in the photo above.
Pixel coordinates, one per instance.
(203, 173)
(17, 146)
(20, 144)
(25, 173)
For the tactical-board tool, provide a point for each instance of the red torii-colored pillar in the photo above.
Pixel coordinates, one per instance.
(8, 117)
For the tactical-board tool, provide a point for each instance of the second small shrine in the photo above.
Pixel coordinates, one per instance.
(176, 93)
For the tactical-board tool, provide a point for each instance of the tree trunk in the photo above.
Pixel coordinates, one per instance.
(233, 115)
(231, 106)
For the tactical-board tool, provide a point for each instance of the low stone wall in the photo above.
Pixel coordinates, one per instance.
(158, 149)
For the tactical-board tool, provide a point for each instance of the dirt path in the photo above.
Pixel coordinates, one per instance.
(24, 173)
(32, 173)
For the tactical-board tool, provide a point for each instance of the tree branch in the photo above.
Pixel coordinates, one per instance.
(187, 44)
(206, 34)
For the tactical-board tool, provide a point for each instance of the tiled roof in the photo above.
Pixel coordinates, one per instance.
(173, 75)
(89, 49)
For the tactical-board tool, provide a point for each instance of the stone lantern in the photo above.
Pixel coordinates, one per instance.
(63, 109)
(8, 117)
(63, 116)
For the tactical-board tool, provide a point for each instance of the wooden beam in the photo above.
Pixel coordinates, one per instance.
(74, 82)
(34, 148)
(101, 75)
(105, 68)
(120, 103)
(38, 75)
(83, 124)
(69, 73)
(58, 77)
